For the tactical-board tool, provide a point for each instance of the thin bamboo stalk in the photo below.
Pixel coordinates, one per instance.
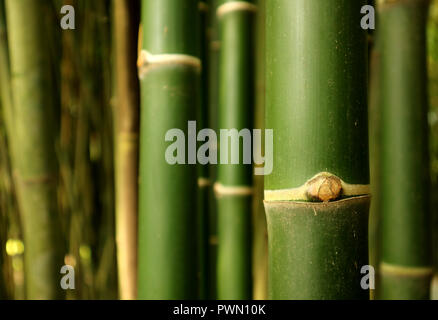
(204, 182)
(126, 14)
(406, 244)
(316, 103)
(35, 163)
(260, 235)
(375, 133)
(5, 76)
(236, 103)
(213, 66)
(169, 98)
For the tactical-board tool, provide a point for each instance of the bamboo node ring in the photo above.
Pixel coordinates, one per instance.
(322, 187)
(232, 6)
(222, 190)
(146, 61)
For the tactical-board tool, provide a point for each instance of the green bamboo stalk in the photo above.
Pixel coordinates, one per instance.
(126, 14)
(35, 162)
(316, 103)
(260, 238)
(406, 244)
(432, 46)
(236, 102)
(375, 133)
(169, 95)
(204, 182)
(213, 86)
(5, 76)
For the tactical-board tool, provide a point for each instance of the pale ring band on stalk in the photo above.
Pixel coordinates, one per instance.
(148, 60)
(221, 190)
(235, 6)
(324, 187)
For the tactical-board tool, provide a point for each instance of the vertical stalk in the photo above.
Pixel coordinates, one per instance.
(126, 14)
(316, 198)
(234, 184)
(260, 238)
(35, 162)
(204, 182)
(5, 75)
(213, 75)
(169, 72)
(375, 133)
(406, 256)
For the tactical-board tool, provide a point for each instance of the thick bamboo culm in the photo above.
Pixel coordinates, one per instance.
(406, 266)
(316, 103)
(169, 72)
(34, 159)
(236, 103)
(126, 14)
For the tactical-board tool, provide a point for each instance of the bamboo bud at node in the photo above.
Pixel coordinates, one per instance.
(324, 188)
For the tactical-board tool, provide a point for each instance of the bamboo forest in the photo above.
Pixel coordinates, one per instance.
(218, 150)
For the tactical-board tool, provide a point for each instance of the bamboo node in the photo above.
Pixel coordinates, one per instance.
(405, 271)
(233, 6)
(146, 61)
(204, 182)
(323, 187)
(221, 190)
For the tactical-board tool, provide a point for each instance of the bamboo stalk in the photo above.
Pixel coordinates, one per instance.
(169, 98)
(236, 103)
(204, 182)
(406, 249)
(375, 134)
(5, 76)
(126, 13)
(213, 86)
(35, 162)
(316, 103)
(260, 236)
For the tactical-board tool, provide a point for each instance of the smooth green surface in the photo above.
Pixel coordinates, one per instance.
(316, 103)
(236, 88)
(34, 137)
(167, 214)
(316, 91)
(393, 287)
(236, 103)
(405, 180)
(317, 250)
(234, 250)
